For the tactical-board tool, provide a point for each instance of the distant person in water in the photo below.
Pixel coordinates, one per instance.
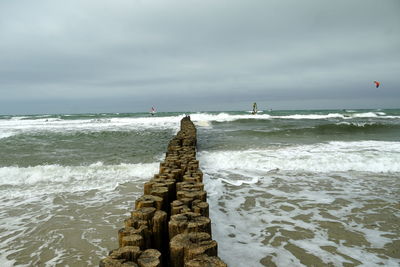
(152, 111)
(254, 108)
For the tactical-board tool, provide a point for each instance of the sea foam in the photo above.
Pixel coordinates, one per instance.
(291, 213)
(369, 156)
(226, 117)
(25, 124)
(45, 179)
(29, 126)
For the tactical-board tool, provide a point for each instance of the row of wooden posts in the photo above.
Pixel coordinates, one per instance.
(170, 225)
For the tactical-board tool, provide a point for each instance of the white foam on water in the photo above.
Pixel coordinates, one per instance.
(17, 118)
(34, 200)
(258, 111)
(311, 116)
(225, 117)
(369, 156)
(358, 124)
(40, 205)
(380, 115)
(6, 134)
(365, 115)
(240, 182)
(241, 232)
(390, 117)
(6, 262)
(202, 123)
(24, 124)
(44, 179)
(31, 126)
(256, 197)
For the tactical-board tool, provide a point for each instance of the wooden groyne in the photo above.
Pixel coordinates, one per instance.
(170, 225)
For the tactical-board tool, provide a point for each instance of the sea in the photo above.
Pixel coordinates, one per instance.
(285, 187)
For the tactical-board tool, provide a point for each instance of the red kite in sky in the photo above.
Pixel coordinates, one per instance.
(377, 84)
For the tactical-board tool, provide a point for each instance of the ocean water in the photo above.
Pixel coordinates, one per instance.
(285, 188)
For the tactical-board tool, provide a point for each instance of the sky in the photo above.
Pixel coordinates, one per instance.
(80, 56)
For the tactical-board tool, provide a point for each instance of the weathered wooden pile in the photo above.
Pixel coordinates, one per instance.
(170, 225)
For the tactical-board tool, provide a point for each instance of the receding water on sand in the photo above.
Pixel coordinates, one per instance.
(69, 228)
(291, 219)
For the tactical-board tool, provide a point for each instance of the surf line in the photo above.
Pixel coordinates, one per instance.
(170, 225)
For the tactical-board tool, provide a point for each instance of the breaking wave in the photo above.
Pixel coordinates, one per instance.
(364, 156)
(45, 179)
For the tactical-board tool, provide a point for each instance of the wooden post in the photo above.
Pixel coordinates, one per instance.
(145, 214)
(142, 230)
(159, 231)
(205, 260)
(201, 207)
(192, 194)
(188, 222)
(148, 200)
(150, 258)
(163, 193)
(125, 255)
(185, 247)
(189, 185)
(133, 240)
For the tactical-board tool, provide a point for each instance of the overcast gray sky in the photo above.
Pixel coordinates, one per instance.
(126, 55)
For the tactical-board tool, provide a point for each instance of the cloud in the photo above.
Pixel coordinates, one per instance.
(201, 52)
